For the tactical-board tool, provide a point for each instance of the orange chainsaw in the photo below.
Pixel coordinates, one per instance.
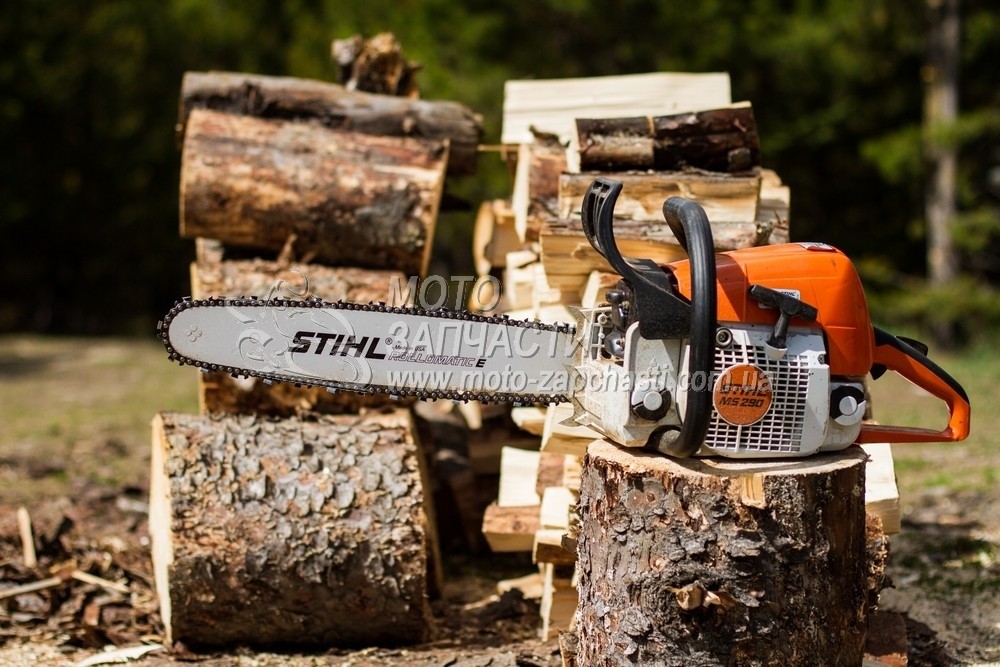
(751, 353)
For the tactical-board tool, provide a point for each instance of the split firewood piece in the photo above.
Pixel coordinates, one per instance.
(561, 438)
(494, 236)
(375, 65)
(27, 538)
(535, 196)
(510, 528)
(559, 599)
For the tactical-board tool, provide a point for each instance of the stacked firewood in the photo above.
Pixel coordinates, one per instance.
(284, 514)
(661, 135)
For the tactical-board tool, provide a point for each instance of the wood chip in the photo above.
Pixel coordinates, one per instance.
(120, 655)
(27, 538)
(88, 578)
(32, 587)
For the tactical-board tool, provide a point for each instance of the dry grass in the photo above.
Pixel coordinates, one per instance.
(74, 413)
(973, 465)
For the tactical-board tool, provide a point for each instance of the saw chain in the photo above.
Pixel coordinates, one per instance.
(163, 332)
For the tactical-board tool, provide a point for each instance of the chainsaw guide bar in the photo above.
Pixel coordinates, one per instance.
(265, 324)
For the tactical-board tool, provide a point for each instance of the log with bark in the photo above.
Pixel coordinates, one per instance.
(348, 198)
(291, 532)
(721, 562)
(722, 140)
(375, 65)
(221, 393)
(334, 107)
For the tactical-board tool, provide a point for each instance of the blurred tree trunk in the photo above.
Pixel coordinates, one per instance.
(940, 113)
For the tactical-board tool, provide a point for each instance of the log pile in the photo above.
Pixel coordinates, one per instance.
(294, 515)
(253, 149)
(691, 141)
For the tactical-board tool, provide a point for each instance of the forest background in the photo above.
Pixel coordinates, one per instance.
(844, 95)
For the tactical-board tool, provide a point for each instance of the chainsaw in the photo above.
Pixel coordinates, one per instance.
(760, 352)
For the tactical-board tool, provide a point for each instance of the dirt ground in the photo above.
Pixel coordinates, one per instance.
(74, 451)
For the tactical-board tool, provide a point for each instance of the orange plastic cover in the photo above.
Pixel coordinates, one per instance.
(817, 274)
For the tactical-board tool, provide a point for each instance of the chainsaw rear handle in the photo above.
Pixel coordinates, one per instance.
(898, 355)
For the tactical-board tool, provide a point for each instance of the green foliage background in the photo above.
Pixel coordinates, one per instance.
(88, 101)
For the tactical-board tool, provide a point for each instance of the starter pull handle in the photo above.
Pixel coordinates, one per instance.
(900, 356)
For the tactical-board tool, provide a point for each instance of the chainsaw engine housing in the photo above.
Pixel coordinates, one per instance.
(762, 406)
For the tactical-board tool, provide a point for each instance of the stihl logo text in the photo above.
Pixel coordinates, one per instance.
(335, 345)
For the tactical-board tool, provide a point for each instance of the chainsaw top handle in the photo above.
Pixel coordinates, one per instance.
(659, 311)
(689, 224)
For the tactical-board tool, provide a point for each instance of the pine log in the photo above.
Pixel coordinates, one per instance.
(221, 393)
(333, 106)
(721, 140)
(721, 562)
(348, 198)
(290, 532)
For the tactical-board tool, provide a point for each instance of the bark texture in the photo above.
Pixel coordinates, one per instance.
(334, 107)
(289, 532)
(722, 140)
(347, 198)
(221, 393)
(709, 562)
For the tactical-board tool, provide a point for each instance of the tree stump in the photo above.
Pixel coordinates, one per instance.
(721, 562)
(290, 532)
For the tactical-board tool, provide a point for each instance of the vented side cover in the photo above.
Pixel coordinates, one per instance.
(796, 422)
